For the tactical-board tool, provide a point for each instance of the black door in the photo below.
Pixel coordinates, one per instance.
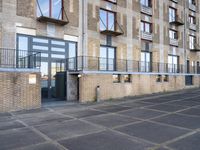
(198, 67)
(188, 66)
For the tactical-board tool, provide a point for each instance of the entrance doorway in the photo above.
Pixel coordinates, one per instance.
(52, 50)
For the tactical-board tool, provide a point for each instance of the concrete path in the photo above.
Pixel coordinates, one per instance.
(154, 122)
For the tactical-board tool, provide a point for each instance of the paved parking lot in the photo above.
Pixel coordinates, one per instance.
(157, 122)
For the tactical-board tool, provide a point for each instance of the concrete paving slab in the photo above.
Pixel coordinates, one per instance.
(136, 104)
(67, 129)
(167, 108)
(188, 143)
(111, 120)
(189, 122)
(10, 125)
(44, 118)
(152, 132)
(43, 146)
(106, 140)
(13, 139)
(112, 108)
(84, 113)
(192, 111)
(184, 103)
(142, 113)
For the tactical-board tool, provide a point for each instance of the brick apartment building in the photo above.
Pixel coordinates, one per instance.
(104, 49)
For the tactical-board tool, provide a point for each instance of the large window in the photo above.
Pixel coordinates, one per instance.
(173, 64)
(146, 3)
(145, 27)
(50, 8)
(107, 58)
(192, 40)
(107, 20)
(146, 62)
(173, 34)
(172, 14)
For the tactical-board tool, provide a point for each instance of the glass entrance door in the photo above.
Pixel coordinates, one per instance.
(52, 50)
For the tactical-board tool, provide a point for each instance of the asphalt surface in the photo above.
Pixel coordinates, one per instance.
(155, 122)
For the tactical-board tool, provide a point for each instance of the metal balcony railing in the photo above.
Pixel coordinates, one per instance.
(177, 21)
(173, 42)
(114, 29)
(192, 26)
(192, 7)
(146, 36)
(86, 63)
(12, 58)
(146, 10)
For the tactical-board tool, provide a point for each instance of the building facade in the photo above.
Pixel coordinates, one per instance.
(104, 49)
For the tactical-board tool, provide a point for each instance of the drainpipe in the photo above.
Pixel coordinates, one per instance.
(184, 36)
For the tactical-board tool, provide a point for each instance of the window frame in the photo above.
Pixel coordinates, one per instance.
(173, 69)
(146, 68)
(190, 18)
(118, 78)
(149, 3)
(175, 34)
(107, 58)
(107, 19)
(144, 23)
(51, 10)
(129, 77)
(175, 13)
(192, 43)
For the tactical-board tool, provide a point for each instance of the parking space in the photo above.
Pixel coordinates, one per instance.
(168, 121)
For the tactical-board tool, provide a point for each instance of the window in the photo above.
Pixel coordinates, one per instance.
(107, 58)
(172, 14)
(145, 62)
(173, 34)
(173, 63)
(192, 41)
(107, 20)
(50, 8)
(192, 20)
(116, 78)
(192, 2)
(166, 78)
(146, 3)
(159, 78)
(127, 78)
(145, 27)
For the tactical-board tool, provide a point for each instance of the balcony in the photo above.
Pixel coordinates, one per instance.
(61, 18)
(195, 48)
(52, 20)
(146, 10)
(192, 7)
(176, 1)
(114, 30)
(173, 42)
(84, 63)
(177, 21)
(192, 26)
(146, 36)
(20, 59)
